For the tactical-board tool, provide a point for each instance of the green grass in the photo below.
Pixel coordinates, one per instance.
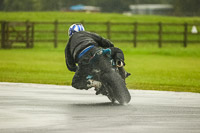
(103, 17)
(169, 68)
(34, 65)
(90, 17)
(165, 72)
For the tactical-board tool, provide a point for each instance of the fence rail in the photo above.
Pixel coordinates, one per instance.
(30, 32)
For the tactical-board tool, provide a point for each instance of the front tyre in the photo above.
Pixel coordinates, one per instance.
(117, 87)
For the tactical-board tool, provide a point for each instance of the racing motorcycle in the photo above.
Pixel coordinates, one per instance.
(106, 71)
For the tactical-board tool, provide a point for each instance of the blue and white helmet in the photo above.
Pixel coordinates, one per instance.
(75, 28)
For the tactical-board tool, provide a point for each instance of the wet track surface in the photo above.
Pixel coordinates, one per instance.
(50, 108)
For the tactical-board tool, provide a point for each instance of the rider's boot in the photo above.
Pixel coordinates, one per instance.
(96, 84)
(121, 69)
(127, 74)
(93, 83)
(124, 74)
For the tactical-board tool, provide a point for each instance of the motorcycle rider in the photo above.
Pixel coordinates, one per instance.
(81, 46)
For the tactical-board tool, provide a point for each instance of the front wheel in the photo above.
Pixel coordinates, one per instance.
(116, 87)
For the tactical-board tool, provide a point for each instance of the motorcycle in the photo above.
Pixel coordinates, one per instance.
(106, 71)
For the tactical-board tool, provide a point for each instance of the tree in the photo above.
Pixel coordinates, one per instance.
(113, 6)
(1, 5)
(187, 7)
(50, 5)
(181, 7)
(18, 5)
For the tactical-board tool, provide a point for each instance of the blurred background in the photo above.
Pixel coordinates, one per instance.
(160, 40)
(168, 7)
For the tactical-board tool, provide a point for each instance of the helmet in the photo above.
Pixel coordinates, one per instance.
(75, 28)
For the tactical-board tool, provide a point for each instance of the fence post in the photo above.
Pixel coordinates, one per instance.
(32, 34)
(55, 33)
(7, 35)
(160, 35)
(185, 35)
(2, 34)
(135, 34)
(108, 30)
(27, 34)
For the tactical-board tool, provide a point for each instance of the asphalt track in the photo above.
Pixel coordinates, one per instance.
(41, 108)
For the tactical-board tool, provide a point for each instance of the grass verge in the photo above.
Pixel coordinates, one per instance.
(169, 68)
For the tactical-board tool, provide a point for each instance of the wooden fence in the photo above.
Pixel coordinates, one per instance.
(32, 32)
